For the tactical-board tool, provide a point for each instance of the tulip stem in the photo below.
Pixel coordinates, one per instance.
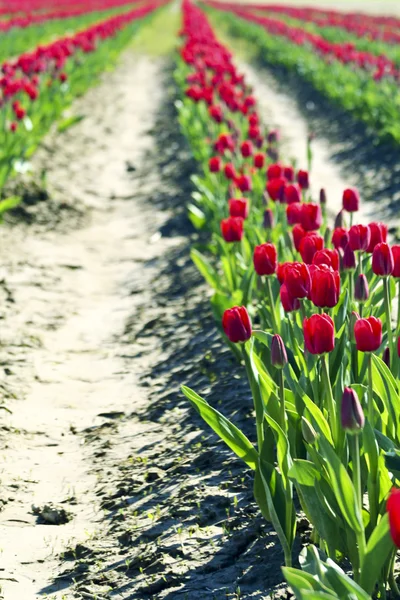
(398, 308)
(387, 300)
(329, 397)
(355, 455)
(370, 392)
(257, 399)
(351, 288)
(282, 400)
(272, 306)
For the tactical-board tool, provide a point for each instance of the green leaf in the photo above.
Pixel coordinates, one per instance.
(9, 203)
(196, 216)
(205, 268)
(229, 433)
(69, 122)
(379, 547)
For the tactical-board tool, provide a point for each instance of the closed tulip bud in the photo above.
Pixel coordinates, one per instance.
(297, 279)
(276, 189)
(396, 261)
(265, 259)
(351, 200)
(302, 179)
(298, 233)
(268, 219)
(288, 173)
(246, 149)
(274, 171)
(308, 431)
(278, 352)
(243, 182)
(232, 229)
(382, 260)
(339, 220)
(238, 207)
(319, 334)
(214, 164)
(327, 257)
(368, 334)
(386, 356)
(293, 212)
(259, 160)
(325, 287)
(359, 237)
(273, 136)
(349, 259)
(292, 194)
(236, 324)
(361, 289)
(322, 196)
(379, 233)
(393, 508)
(340, 238)
(309, 245)
(311, 216)
(289, 303)
(229, 171)
(352, 415)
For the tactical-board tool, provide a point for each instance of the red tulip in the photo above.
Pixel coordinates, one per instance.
(238, 207)
(351, 200)
(352, 415)
(309, 245)
(327, 257)
(396, 260)
(302, 179)
(361, 289)
(325, 287)
(274, 172)
(243, 182)
(319, 334)
(378, 234)
(297, 279)
(229, 171)
(259, 160)
(246, 149)
(293, 213)
(292, 194)
(215, 112)
(368, 334)
(288, 173)
(393, 508)
(268, 219)
(273, 136)
(280, 271)
(278, 352)
(276, 189)
(311, 216)
(288, 302)
(340, 238)
(236, 324)
(298, 234)
(265, 259)
(382, 260)
(232, 229)
(322, 196)
(359, 237)
(349, 259)
(214, 164)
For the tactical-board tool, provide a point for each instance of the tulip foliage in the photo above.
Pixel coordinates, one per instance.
(309, 311)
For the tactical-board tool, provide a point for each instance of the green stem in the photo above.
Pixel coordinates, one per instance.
(282, 400)
(355, 454)
(351, 289)
(398, 308)
(387, 300)
(392, 581)
(302, 313)
(329, 398)
(370, 393)
(272, 306)
(257, 400)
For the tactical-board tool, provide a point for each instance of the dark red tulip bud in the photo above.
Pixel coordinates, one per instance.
(246, 149)
(268, 219)
(311, 216)
(349, 259)
(351, 200)
(298, 234)
(215, 112)
(325, 287)
(368, 334)
(393, 508)
(382, 260)
(297, 279)
(309, 245)
(214, 164)
(292, 194)
(238, 207)
(278, 352)
(339, 220)
(265, 259)
(229, 171)
(274, 172)
(359, 237)
(13, 127)
(288, 302)
(327, 257)
(243, 182)
(322, 196)
(396, 261)
(340, 238)
(352, 415)
(236, 324)
(379, 233)
(288, 173)
(302, 179)
(319, 334)
(273, 136)
(259, 160)
(293, 213)
(232, 229)
(386, 356)
(276, 189)
(361, 289)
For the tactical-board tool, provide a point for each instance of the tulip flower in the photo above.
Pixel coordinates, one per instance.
(302, 179)
(327, 257)
(243, 182)
(325, 286)
(276, 189)
(338, 224)
(297, 279)
(322, 196)
(382, 260)
(309, 245)
(319, 334)
(359, 237)
(351, 200)
(273, 136)
(265, 259)
(288, 173)
(368, 334)
(298, 233)
(215, 112)
(293, 212)
(232, 229)
(268, 219)
(396, 261)
(311, 216)
(340, 238)
(349, 259)
(246, 149)
(274, 172)
(386, 356)
(289, 303)
(281, 270)
(278, 352)
(361, 289)
(352, 415)
(229, 171)
(214, 164)
(378, 234)
(236, 324)
(259, 160)
(238, 207)
(292, 194)
(393, 508)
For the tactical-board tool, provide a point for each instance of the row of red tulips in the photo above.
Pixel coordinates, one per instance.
(309, 311)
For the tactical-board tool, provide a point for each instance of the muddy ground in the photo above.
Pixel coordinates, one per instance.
(111, 486)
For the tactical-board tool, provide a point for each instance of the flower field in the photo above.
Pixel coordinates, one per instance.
(200, 351)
